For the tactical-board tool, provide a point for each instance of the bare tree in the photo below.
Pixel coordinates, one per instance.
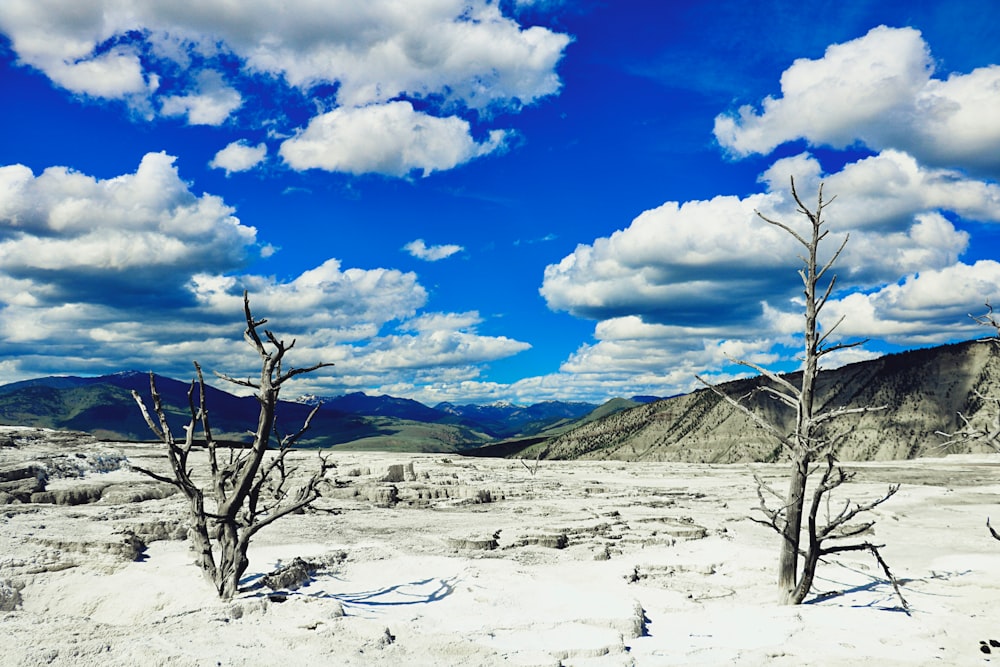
(250, 488)
(538, 457)
(810, 439)
(975, 431)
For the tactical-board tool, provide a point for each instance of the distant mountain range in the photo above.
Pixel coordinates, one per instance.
(104, 407)
(920, 392)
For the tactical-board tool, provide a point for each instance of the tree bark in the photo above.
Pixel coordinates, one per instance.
(788, 560)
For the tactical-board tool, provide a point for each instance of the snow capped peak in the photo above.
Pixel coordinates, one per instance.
(129, 374)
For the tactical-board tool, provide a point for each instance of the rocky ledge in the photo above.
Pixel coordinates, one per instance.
(30, 458)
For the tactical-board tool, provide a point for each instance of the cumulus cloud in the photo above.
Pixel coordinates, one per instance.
(391, 139)
(63, 45)
(211, 103)
(715, 260)
(375, 50)
(466, 51)
(877, 90)
(885, 189)
(71, 232)
(330, 302)
(135, 271)
(239, 156)
(421, 250)
(663, 359)
(678, 262)
(630, 358)
(686, 286)
(930, 307)
(454, 55)
(440, 340)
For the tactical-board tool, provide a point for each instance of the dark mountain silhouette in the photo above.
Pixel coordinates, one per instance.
(359, 403)
(104, 407)
(504, 420)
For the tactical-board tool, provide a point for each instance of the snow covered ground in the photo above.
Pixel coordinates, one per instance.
(593, 564)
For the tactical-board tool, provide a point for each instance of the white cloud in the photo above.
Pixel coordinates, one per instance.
(931, 242)
(886, 189)
(211, 104)
(687, 285)
(391, 139)
(715, 260)
(927, 308)
(239, 156)
(465, 51)
(835, 98)
(62, 44)
(329, 302)
(115, 74)
(437, 349)
(666, 264)
(657, 358)
(421, 250)
(432, 348)
(878, 90)
(629, 358)
(378, 350)
(101, 275)
(75, 233)
(457, 56)
(954, 121)
(458, 52)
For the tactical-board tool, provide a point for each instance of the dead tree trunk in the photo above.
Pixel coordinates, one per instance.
(251, 489)
(809, 440)
(791, 531)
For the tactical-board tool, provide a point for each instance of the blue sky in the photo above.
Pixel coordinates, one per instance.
(473, 201)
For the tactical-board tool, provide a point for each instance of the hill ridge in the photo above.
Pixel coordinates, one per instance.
(922, 392)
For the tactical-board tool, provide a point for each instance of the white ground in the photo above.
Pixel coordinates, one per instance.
(630, 587)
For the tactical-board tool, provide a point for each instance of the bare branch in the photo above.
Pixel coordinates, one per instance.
(782, 226)
(846, 515)
(299, 371)
(290, 440)
(757, 419)
(874, 550)
(145, 415)
(793, 391)
(242, 383)
(781, 396)
(841, 412)
(987, 320)
(826, 267)
(774, 516)
(821, 351)
(305, 496)
(158, 477)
